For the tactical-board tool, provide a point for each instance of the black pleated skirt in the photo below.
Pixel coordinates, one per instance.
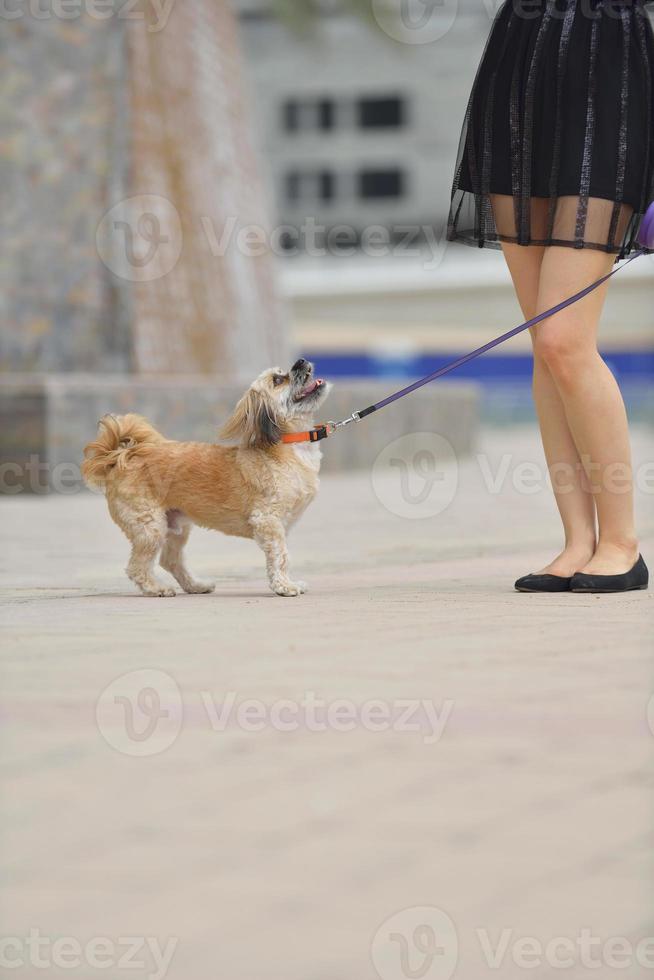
(558, 140)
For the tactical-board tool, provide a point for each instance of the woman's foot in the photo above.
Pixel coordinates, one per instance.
(543, 583)
(636, 578)
(572, 559)
(557, 576)
(611, 559)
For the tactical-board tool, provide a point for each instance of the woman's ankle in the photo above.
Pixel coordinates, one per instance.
(613, 557)
(573, 558)
(581, 547)
(623, 546)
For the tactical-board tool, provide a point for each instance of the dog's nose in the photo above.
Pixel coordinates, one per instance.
(301, 365)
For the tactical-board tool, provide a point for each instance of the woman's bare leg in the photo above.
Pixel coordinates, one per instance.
(575, 503)
(566, 345)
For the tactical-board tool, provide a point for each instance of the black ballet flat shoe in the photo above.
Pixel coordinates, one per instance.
(637, 578)
(543, 583)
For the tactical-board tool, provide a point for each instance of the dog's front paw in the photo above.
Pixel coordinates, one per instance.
(162, 593)
(288, 588)
(200, 588)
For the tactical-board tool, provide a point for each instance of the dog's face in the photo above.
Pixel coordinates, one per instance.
(276, 403)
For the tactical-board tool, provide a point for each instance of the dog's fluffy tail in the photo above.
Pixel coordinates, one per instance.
(120, 438)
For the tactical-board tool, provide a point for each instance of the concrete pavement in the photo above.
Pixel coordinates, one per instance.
(376, 779)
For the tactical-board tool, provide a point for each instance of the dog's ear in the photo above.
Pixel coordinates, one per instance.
(254, 422)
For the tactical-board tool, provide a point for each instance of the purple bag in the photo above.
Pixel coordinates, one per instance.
(646, 233)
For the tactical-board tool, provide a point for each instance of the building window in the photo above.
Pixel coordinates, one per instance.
(293, 187)
(387, 113)
(308, 115)
(291, 117)
(326, 186)
(326, 114)
(374, 184)
(310, 186)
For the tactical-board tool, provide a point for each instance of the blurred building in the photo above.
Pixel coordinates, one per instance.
(360, 118)
(132, 192)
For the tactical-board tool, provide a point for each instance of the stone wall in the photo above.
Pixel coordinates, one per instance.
(125, 149)
(63, 159)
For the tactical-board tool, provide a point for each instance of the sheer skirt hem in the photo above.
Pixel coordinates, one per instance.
(468, 238)
(490, 220)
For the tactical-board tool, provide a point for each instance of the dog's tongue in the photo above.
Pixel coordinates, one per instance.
(310, 388)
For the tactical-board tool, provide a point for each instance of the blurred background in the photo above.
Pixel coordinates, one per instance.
(194, 191)
(360, 119)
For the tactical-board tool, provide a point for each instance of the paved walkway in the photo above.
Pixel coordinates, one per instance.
(375, 779)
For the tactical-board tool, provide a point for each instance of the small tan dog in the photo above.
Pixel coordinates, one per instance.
(157, 489)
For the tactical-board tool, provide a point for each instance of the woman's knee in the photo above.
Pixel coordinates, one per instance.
(558, 347)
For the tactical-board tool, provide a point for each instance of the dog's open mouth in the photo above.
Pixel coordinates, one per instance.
(310, 389)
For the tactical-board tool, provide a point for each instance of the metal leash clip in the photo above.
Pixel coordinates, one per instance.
(354, 417)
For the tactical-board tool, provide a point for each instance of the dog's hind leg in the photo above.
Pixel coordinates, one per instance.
(172, 556)
(270, 535)
(146, 528)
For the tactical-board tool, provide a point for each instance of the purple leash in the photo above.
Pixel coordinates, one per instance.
(645, 238)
